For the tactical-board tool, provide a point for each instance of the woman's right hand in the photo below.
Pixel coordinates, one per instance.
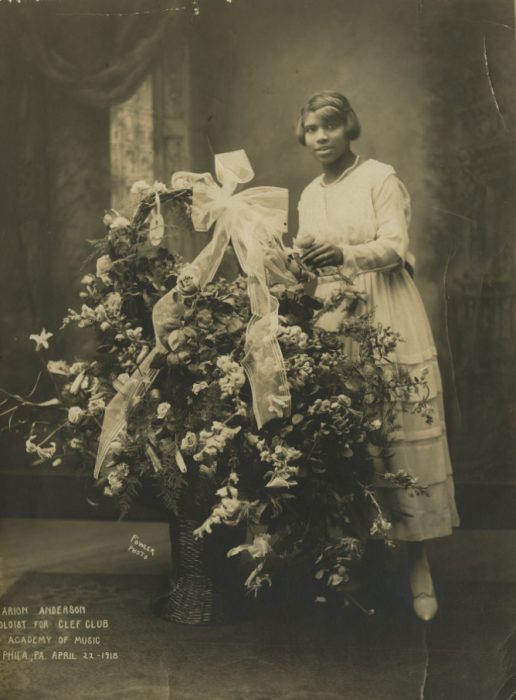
(323, 255)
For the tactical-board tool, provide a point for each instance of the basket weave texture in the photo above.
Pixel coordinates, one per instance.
(205, 585)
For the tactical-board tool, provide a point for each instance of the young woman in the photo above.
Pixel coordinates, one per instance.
(355, 216)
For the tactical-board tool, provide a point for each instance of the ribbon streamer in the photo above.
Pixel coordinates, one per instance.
(253, 221)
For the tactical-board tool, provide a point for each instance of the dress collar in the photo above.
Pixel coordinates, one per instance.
(343, 174)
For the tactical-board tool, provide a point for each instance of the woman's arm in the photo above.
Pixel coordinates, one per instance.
(389, 248)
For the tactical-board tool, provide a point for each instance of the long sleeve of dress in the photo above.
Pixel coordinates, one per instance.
(389, 248)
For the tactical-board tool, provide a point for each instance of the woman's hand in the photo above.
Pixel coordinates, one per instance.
(323, 255)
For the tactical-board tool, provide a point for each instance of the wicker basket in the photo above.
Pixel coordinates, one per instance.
(205, 586)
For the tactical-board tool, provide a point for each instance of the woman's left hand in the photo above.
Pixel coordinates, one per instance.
(323, 255)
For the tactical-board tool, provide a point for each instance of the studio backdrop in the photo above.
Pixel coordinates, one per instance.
(95, 99)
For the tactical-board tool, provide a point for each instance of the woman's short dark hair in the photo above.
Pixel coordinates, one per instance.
(337, 106)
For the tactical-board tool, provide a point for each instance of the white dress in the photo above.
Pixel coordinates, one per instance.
(366, 212)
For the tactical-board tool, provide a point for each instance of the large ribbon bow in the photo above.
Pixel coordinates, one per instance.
(252, 220)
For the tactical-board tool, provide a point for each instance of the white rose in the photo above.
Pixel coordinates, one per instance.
(113, 302)
(100, 312)
(189, 442)
(162, 410)
(159, 187)
(104, 264)
(140, 187)
(188, 282)
(75, 413)
(181, 181)
(116, 447)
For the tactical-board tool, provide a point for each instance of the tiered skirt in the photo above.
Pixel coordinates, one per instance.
(419, 448)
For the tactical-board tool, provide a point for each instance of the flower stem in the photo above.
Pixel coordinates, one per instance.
(52, 433)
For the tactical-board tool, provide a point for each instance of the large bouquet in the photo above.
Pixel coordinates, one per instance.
(301, 483)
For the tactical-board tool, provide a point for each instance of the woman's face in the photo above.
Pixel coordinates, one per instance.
(325, 136)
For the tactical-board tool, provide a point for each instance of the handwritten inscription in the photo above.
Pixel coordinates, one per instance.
(53, 633)
(139, 548)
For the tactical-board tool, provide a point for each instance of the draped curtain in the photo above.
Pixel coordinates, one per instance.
(63, 65)
(98, 52)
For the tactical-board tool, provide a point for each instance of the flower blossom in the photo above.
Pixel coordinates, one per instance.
(100, 312)
(380, 526)
(258, 549)
(119, 222)
(115, 479)
(281, 458)
(162, 410)
(75, 413)
(143, 189)
(234, 376)
(42, 452)
(293, 335)
(278, 405)
(88, 279)
(113, 303)
(230, 508)
(208, 471)
(140, 187)
(134, 333)
(41, 339)
(189, 443)
(339, 402)
(87, 317)
(96, 405)
(198, 387)
(103, 266)
(301, 369)
(204, 319)
(214, 441)
(188, 282)
(58, 367)
(182, 182)
(221, 513)
(77, 383)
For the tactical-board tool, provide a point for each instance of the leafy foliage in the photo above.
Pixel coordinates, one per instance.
(302, 483)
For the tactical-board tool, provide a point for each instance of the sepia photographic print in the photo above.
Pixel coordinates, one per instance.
(258, 344)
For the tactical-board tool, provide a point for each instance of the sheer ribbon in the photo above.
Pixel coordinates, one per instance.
(252, 221)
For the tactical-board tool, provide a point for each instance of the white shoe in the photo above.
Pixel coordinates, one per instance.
(425, 606)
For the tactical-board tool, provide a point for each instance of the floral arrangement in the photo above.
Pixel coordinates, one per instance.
(301, 484)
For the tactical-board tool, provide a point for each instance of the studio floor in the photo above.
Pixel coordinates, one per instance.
(285, 652)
